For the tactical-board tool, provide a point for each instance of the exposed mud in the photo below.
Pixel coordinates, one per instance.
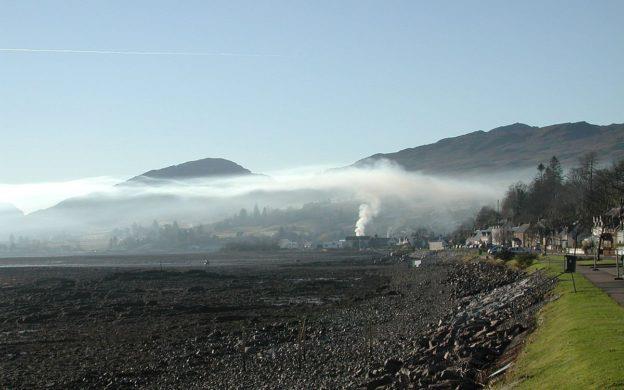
(304, 320)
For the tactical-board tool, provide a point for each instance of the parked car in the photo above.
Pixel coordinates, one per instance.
(495, 249)
(519, 250)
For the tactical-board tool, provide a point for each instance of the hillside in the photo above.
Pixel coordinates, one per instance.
(513, 147)
(9, 214)
(207, 167)
(9, 211)
(133, 202)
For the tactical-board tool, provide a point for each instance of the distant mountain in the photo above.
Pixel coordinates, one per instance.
(9, 216)
(513, 147)
(207, 167)
(132, 200)
(10, 210)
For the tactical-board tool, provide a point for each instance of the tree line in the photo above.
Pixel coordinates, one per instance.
(555, 201)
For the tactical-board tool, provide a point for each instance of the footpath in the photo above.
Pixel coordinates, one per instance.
(604, 278)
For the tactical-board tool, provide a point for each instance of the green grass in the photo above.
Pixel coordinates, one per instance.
(578, 343)
(598, 263)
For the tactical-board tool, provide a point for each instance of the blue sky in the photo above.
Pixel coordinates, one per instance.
(330, 81)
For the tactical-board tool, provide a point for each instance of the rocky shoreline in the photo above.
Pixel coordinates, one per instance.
(324, 322)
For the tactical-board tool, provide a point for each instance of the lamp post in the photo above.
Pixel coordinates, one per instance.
(576, 226)
(618, 258)
(598, 220)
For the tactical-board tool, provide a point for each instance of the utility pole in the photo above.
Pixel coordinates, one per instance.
(597, 254)
(576, 225)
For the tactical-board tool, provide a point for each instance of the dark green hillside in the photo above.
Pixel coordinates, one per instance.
(512, 147)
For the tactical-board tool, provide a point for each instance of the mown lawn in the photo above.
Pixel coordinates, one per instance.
(602, 262)
(578, 343)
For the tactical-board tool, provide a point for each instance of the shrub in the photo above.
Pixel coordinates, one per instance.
(504, 255)
(251, 245)
(525, 259)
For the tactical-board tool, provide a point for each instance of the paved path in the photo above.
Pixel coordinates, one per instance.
(604, 278)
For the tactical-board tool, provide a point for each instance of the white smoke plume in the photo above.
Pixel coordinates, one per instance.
(368, 211)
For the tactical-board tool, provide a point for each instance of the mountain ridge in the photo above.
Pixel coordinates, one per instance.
(202, 168)
(510, 147)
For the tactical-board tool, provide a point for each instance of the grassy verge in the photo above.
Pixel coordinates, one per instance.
(579, 341)
(599, 263)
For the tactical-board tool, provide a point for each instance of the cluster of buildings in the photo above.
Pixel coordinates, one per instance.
(607, 234)
(376, 242)
(285, 243)
(351, 242)
(361, 242)
(608, 231)
(514, 236)
(525, 235)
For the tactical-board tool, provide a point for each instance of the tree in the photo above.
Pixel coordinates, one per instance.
(581, 189)
(486, 217)
(540, 169)
(554, 171)
(462, 233)
(617, 178)
(515, 202)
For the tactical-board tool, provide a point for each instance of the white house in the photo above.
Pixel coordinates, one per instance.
(481, 236)
(285, 243)
(340, 244)
(437, 245)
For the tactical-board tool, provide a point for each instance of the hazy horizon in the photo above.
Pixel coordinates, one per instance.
(360, 181)
(121, 88)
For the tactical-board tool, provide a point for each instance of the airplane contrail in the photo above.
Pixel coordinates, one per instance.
(148, 53)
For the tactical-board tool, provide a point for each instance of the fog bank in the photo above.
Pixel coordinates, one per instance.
(381, 190)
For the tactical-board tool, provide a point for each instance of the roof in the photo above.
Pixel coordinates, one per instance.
(615, 212)
(358, 238)
(521, 229)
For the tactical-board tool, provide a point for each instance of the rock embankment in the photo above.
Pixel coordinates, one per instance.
(495, 306)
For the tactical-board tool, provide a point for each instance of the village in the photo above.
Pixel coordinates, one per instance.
(607, 234)
(604, 238)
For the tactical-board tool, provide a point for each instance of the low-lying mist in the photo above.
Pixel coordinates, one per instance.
(382, 193)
